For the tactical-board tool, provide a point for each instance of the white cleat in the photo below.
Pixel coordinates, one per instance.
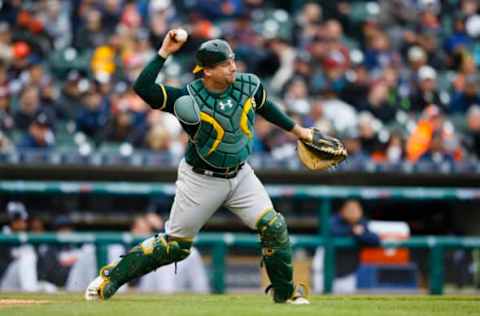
(93, 289)
(298, 301)
(299, 296)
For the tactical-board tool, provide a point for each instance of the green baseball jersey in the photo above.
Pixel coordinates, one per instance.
(225, 109)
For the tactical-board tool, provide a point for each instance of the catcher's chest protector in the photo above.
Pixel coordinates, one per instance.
(225, 136)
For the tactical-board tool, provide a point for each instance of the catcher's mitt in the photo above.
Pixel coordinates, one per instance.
(322, 152)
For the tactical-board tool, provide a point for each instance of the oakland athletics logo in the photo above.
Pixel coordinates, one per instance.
(227, 103)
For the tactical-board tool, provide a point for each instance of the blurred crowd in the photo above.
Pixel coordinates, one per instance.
(397, 80)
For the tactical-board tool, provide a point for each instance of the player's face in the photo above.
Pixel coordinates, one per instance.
(224, 72)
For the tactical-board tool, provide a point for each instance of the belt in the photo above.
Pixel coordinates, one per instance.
(228, 173)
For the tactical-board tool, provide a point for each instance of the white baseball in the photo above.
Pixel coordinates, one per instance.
(181, 35)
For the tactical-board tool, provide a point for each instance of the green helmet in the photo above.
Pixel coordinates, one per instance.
(211, 53)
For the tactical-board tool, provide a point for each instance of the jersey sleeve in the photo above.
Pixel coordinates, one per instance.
(156, 95)
(271, 111)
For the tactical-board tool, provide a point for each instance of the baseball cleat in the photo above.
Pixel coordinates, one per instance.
(299, 296)
(92, 293)
(102, 287)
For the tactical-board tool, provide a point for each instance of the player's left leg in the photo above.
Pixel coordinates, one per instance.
(251, 203)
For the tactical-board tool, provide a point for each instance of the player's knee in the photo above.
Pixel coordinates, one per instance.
(179, 249)
(165, 249)
(272, 229)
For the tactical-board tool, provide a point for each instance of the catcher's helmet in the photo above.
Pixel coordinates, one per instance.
(211, 53)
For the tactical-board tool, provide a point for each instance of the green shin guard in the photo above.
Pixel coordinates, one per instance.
(147, 256)
(277, 254)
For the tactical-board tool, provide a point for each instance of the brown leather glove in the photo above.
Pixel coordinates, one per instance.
(322, 152)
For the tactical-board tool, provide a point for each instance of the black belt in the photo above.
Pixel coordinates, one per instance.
(227, 173)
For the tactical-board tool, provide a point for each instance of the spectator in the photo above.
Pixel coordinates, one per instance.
(29, 107)
(6, 53)
(437, 152)
(307, 22)
(463, 100)
(426, 92)
(91, 34)
(55, 15)
(36, 225)
(17, 264)
(348, 222)
(93, 115)
(459, 40)
(472, 135)
(357, 87)
(112, 10)
(378, 54)
(378, 104)
(124, 128)
(419, 141)
(7, 123)
(69, 101)
(368, 128)
(55, 262)
(40, 134)
(395, 152)
(428, 40)
(398, 90)
(466, 68)
(318, 117)
(296, 97)
(6, 145)
(158, 139)
(356, 155)
(262, 133)
(342, 115)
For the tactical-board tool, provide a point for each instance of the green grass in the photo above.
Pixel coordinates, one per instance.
(239, 305)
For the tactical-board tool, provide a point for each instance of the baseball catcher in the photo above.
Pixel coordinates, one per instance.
(218, 113)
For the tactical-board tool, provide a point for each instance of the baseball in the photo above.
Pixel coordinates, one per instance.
(181, 35)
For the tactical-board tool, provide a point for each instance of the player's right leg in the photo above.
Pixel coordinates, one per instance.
(152, 253)
(197, 197)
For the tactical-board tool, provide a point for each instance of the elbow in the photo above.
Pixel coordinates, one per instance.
(138, 89)
(142, 92)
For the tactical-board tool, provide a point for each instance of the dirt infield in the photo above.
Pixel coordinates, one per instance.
(12, 301)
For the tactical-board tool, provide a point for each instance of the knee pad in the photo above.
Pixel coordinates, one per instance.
(273, 232)
(165, 249)
(178, 249)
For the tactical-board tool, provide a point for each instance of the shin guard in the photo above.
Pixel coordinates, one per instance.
(276, 254)
(147, 256)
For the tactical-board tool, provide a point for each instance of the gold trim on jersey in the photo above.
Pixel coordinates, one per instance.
(244, 118)
(264, 96)
(164, 104)
(216, 126)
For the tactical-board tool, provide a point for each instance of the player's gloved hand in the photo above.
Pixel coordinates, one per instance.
(322, 152)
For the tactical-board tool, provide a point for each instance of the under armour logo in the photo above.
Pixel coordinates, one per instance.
(228, 103)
